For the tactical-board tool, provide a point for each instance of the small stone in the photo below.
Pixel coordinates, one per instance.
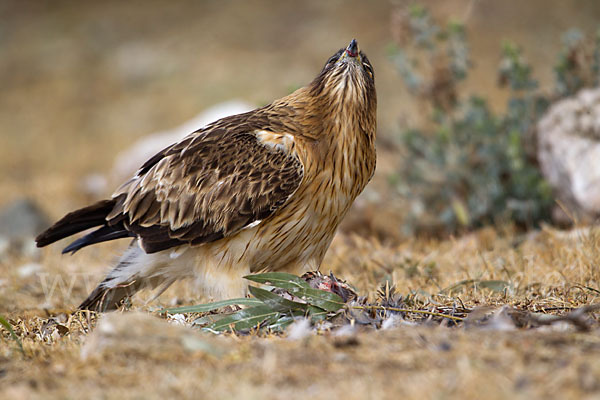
(27, 270)
(55, 335)
(61, 318)
(22, 219)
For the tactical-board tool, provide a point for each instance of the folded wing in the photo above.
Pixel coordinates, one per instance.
(208, 186)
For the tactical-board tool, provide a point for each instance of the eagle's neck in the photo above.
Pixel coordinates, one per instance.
(343, 118)
(338, 127)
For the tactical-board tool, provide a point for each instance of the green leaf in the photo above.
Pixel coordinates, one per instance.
(458, 286)
(243, 301)
(281, 324)
(246, 319)
(299, 288)
(494, 285)
(10, 329)
(209, 319)
(298, 309)
(275, 301)
(317, 314)
(591, 289)
(279, 279)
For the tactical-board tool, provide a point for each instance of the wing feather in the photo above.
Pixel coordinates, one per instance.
(208, 186)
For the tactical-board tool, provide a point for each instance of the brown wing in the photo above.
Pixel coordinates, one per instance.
(209, 186)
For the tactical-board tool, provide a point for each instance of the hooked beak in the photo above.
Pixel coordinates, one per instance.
(352, 49)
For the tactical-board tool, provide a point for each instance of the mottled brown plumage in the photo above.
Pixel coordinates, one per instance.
(263, 190)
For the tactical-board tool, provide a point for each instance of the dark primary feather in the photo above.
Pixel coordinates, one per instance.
(104, 234)
(75, 222)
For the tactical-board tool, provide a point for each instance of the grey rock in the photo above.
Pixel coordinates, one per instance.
(569, 150)
(20, 222)
(22, 219)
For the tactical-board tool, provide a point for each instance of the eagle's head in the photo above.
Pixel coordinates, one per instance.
(347, 77)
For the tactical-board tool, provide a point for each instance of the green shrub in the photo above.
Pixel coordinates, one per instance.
(470, 166)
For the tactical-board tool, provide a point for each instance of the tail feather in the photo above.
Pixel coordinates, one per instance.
(135, 271)
(105, 298)
(122, 282)
(103, 234)
(109, 298)
(76, 222)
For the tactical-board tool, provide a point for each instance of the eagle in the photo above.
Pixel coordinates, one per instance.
(259, 191)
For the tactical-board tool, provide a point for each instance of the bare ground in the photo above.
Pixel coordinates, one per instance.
(139, 355)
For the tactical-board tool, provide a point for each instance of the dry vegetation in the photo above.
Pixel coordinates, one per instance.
(505, 348)
(135, 354)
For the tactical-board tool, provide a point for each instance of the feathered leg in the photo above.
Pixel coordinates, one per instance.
(136, 270)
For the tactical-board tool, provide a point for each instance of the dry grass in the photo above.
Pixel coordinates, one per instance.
(138, 355)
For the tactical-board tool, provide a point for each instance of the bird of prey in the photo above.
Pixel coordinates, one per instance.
(259, 191)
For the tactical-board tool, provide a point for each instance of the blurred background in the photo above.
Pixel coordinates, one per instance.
(462, 86)
(488, 146)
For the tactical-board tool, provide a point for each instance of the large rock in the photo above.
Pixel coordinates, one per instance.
(569, 152)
